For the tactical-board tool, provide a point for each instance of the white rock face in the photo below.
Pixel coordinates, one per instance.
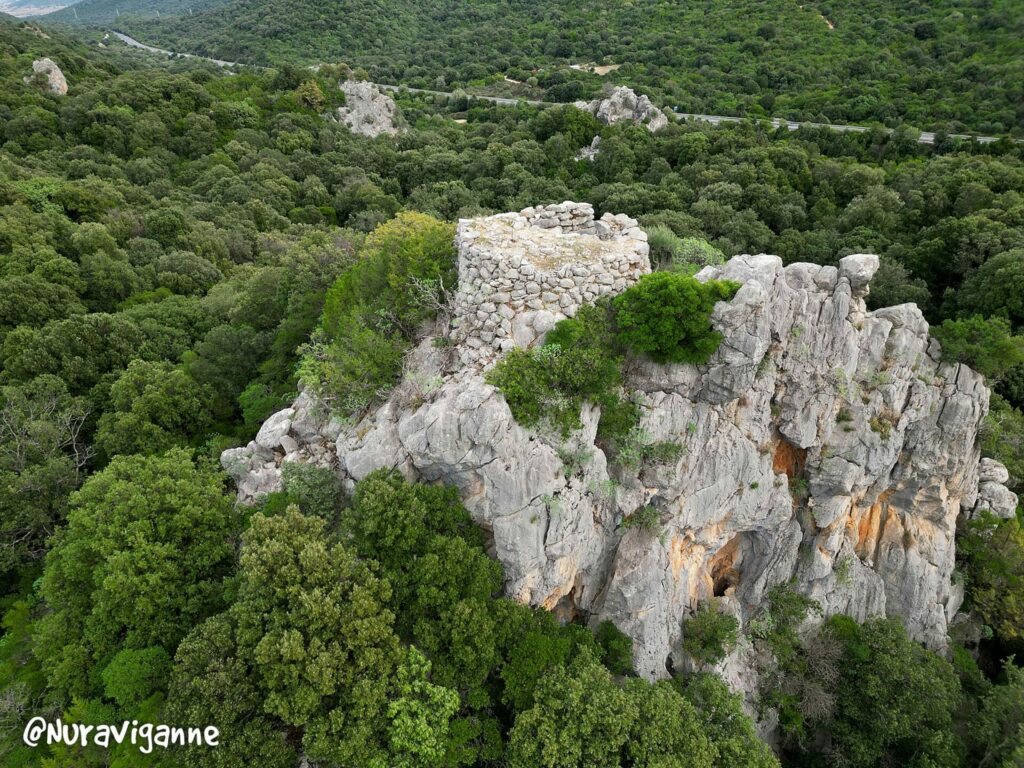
(54, 77)
(367, 111)
(821, 443)
(623, 104)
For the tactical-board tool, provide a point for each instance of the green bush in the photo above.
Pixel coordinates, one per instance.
(134, 675)
(708, 635)
(616, 648)
(696, 253)
(374, 311)
(667, 316)
(646, 518)
(986, 344)
(665, 246)
(618, 420)
(777, 624)
(383, 288)
(351, 374)
(881, 670)
(577, 363)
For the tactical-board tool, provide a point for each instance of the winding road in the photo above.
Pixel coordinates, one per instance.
(926, 137)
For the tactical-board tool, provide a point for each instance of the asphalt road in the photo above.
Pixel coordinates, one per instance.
(926, 137)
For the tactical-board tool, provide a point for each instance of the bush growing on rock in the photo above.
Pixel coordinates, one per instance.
(578, 362)
(382, 289)
(375, 310)
(667, 316)
(709, 635)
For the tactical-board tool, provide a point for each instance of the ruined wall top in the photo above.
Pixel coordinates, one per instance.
(520, 273)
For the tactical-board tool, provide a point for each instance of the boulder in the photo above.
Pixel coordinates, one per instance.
(623, 104)
(55, 79)
(367, 111)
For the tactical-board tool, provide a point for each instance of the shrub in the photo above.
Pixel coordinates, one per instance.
(883, 423)
(350, 375)
(317, 490)
(777, 625)
(578, 362)
(696, 253)
(616, 648)
(383, 288)
(618, 419)
(646, 518)
(991, 553)
(667, 316)
(985, 344)
(573, 459)
(709, 635)
(134, 675)
(881, 670)
(663, 452)
(375, 309)
(665, 245)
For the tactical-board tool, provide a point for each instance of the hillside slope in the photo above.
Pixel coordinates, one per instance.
(108, 11)
(949, 64)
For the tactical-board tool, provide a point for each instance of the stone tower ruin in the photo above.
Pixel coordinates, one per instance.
(520, 273)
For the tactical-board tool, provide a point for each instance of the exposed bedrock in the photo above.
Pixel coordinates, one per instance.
(822, 444)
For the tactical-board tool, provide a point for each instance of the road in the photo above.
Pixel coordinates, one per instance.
(926, 137)
(131, 41)
(491, 99)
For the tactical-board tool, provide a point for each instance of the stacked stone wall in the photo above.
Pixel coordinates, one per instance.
(520, 273)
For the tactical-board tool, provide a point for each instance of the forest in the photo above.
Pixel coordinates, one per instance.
(950, 65)
(179, 246)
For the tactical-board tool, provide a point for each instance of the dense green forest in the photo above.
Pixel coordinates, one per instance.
(955, 65)
(177, 243)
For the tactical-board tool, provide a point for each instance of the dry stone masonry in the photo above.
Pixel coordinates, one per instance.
(520, 273)
(822, 445)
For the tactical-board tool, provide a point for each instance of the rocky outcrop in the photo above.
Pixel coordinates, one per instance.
(55, 80)
(993, 495)
(621, 104)
(367, 111)
(822, 444)
(590, 152)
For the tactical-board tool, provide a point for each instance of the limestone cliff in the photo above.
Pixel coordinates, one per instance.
(822, 443)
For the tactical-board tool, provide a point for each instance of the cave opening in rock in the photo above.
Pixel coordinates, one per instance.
(725, 572)
(789, 459)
